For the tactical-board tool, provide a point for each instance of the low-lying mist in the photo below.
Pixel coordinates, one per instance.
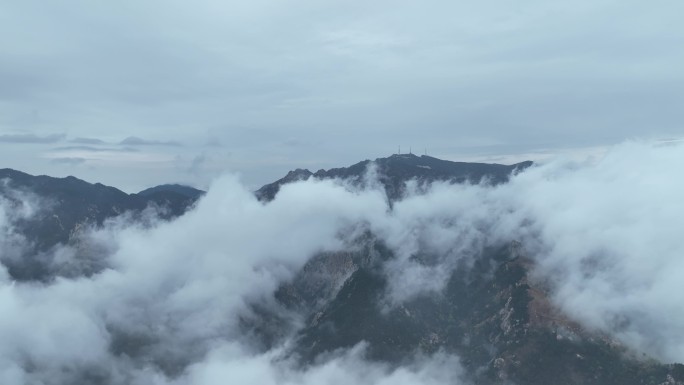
(164, 304)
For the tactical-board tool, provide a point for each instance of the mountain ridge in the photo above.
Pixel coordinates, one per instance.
(492, 313)
(66, 206)
(394, 171)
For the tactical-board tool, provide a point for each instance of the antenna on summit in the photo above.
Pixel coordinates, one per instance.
(399, 150)
(410, 151)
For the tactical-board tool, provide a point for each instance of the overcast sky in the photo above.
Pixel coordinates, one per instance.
(136, 93)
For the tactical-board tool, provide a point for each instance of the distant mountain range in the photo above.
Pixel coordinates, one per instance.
(501, 323)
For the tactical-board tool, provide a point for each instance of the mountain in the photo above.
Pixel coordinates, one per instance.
(186, 191)
(174, 197)
(64, 206)
(497, 319)
(493, 313)
(394, 171)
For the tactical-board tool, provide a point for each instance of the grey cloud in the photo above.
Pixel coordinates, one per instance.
(453, 75)
(31, 138)
(135, 141)
(95, 149)
(88, 141)
(192, 165)
(197, 163)
(71, 161)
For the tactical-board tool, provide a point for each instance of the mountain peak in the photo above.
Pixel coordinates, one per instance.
(184, 190)
(395, 170)
(403, 156)
(298, 173)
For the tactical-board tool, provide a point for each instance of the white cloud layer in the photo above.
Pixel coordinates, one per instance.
(611, 242)
(606, 234)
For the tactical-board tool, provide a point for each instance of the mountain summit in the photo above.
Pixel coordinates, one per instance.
(394, 171)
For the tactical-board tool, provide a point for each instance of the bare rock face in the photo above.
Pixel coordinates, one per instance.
(501, 324)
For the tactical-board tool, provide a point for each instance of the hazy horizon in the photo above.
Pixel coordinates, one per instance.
(135, 94)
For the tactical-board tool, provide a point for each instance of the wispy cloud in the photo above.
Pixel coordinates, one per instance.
(135, 141)
(81, 140)
(31, 138)
(95, 149)
(70, 161)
